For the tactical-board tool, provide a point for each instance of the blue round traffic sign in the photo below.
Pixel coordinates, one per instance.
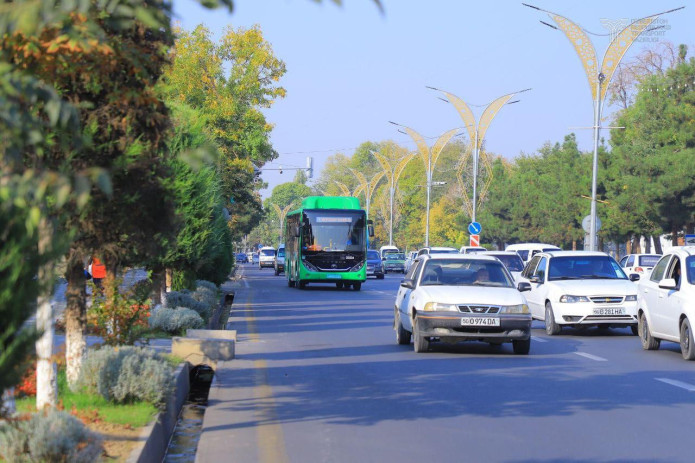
(474, 228)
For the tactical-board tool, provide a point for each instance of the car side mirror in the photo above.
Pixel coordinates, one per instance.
(523, 286)
(667, 283)
(408, 283)
(634, 277)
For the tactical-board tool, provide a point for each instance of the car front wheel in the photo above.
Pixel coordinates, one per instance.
(687, 347)
(551, 327)
(522, 347)
(421, 343)
(645, 335)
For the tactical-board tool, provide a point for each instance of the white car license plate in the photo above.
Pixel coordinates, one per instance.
(480, 321)
(609, 311)
(334, 277)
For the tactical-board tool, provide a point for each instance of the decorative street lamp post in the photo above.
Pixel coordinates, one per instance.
(429, 157)
(369, 186)
(599, 80)
(282, 213)
(393, 170)
(476, 131)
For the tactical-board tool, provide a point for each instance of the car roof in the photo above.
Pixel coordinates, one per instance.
(267, 247)
(502, 253)
(681, 251)
(478, 256)
(573, 253)
(524, 246)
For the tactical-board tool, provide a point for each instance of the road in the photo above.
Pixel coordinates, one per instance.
(319, 378)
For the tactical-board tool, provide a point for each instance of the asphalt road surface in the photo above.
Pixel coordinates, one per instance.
(319, 378)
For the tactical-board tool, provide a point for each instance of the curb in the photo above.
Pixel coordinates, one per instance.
(154, 438)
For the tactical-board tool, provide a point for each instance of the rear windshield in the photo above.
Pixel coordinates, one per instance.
(513, 263)
(648, 261)
(373, 255)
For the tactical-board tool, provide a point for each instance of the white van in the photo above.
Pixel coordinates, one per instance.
(527, 250)
(387, 249)
(266, 257)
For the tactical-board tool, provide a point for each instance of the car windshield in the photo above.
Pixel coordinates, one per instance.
(649, 261)
(585, 267)
(372, 255)
(267, 252)
(512, 262)
(395, 256)
(468, 272)
(281, 252)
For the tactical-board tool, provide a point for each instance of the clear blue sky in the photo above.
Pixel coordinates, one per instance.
(351, 69)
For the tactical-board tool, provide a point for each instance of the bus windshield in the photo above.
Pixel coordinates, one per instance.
(330, 230)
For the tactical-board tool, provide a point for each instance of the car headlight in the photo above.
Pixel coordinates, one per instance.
(519, 308)
(440, 307)
(357, 267)
(631, 298)
(309, 266)
(572, 299)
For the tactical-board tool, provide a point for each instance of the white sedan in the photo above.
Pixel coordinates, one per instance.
(641, 264)
(580, 288)
(667, 302)
(454, 297)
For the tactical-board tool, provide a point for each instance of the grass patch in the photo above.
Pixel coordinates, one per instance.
(137, 414)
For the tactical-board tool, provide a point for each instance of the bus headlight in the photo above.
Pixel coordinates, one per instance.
(357, 267)
(309, 266)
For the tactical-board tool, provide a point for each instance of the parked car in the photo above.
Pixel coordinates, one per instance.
(527, 250)
(437, 250)
(412, 255)
(511, 260)
(280, 260)
(452, 298)
(471, 249)
(641, 264)
(394, 262)
(375, 266)
(580, 288)
(667, 302)
(266, 257)
(241, 258)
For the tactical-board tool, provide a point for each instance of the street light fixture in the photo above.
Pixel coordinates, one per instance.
(429, 157)
(369, 186)
(476, 130)
(599, 80)
(393, 171)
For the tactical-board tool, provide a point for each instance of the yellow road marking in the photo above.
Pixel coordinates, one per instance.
(269, 436)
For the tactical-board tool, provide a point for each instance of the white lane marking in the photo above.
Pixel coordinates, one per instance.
(246, 283)
(592, 357)
(380, 292)
(681, 384)
(539, 339)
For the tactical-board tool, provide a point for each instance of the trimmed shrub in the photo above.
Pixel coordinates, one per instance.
(176, 321)
(126, 374)
(54, 436)
(206, 284)
(175, 299)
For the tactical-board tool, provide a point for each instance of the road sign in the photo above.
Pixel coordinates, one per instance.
(474, 228)
(586, 224)
(475, 240)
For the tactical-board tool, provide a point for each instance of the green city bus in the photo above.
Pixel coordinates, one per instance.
(326, 242)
